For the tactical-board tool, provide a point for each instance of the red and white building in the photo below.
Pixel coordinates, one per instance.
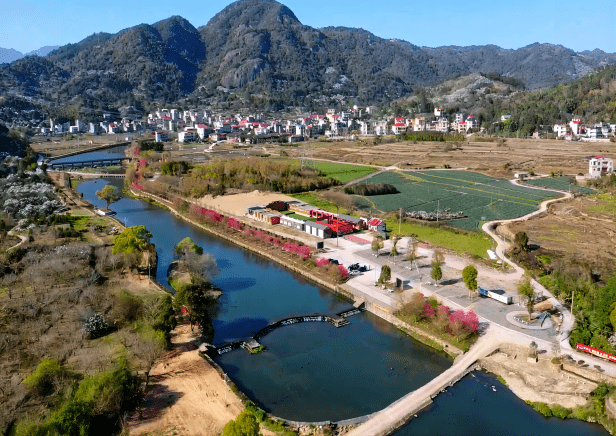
(576, 126)
(376, 225)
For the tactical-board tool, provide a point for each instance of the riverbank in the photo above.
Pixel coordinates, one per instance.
(275, 254)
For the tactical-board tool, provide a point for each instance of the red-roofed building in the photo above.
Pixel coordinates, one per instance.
(376, 225)
(398, 128)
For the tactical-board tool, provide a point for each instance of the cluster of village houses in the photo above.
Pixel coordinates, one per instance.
(316, 222)
(192, 125)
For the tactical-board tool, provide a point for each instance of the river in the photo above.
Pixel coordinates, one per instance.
(314, 371)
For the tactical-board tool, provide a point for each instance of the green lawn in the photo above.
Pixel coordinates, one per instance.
(314, 200)
(342, 172)
(300, 217)
(473, 243)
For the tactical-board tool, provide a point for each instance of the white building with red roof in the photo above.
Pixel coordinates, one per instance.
(398, 128)
(376, 225)
(576, 126)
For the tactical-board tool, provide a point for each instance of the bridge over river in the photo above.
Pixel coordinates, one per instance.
(252, 343)
(398, 413)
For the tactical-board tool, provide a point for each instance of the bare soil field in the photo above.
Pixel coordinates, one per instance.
(187, 395)
(583, 228)
(536, 382)
(236, 204)
(540, 155)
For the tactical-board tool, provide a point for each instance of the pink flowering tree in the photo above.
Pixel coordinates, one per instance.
(343, 271)
(471, 322)
(321, 261)
(441, 320)
(276, 241)
(142, 164)
(305, 252)
(234, 223)
(428, 311)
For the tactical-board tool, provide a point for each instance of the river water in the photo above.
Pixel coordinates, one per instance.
(314, 371)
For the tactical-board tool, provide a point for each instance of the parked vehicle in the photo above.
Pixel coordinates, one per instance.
(496, 294)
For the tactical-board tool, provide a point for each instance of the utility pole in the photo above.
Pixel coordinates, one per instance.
(337, 223)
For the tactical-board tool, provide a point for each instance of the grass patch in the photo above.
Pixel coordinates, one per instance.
(300, 217)
(464, 344)
(259, 349)
(84, 222)
(607, 204)
(274, 426)
(339, 171)
(75, 183)
(466, 242)
(502, 380)
(313, 199)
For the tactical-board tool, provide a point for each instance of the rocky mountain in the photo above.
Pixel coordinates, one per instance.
(256, 53)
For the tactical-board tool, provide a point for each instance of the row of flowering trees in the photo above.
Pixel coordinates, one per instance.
(459, 323)
(202, 214)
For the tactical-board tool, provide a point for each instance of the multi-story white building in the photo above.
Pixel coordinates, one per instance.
(560, 129)
(599, 165)
(187, 135)
(160, 136)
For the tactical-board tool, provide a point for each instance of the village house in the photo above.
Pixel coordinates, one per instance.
(576, 126)
(188, 135)
(376, 225)
(160, 136)
(599, 165)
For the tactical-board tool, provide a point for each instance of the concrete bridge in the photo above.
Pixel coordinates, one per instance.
(337, 320)
(88, 163)
(398, 413)
(84, 150)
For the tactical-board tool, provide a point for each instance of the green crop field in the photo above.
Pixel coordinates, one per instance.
(481, 198)
(560, 183)
(342, 172)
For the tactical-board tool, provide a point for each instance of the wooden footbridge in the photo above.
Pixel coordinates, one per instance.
(251, 343)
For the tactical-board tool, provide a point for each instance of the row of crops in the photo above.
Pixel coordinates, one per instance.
(560, 183)
(479, 197)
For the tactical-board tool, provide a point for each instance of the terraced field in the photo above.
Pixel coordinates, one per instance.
(561, 183)
(481, 198)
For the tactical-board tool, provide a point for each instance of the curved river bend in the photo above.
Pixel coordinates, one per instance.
(309, 371)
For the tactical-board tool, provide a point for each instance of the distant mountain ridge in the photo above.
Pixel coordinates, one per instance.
(8, 55)
(256, 53)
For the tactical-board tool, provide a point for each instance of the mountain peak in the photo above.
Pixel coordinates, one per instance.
(254, 13)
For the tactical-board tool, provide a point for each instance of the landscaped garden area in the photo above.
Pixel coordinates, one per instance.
(481, 198)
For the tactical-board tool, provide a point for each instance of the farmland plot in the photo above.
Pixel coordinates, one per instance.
(479, 197)
(561, 183)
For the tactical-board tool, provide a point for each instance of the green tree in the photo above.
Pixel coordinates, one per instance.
(411, 254)
(521, 241)
(108, 194)
(437, 273)
(469, 276)
(195, 299)
(246, 424)
(377, 244)
(385, 274)
(132, 238)
(525, 288)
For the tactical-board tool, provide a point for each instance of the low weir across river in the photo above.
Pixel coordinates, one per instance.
(251, 343)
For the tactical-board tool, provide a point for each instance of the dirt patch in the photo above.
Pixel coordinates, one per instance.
(237, 204)
(574, 228)
(537, 382)
(492, 158)
(187, 394)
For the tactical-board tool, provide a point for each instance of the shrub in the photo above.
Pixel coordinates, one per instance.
(233, 223)
(279, 206)
(95, 325)
(127, 308)
(321, 261)
(343, 271)
(560, 411)
(371, 189)
(542, 408)
(48, 375)
(14, 255)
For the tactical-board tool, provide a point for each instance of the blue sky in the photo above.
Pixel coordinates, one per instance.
(26, 25)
